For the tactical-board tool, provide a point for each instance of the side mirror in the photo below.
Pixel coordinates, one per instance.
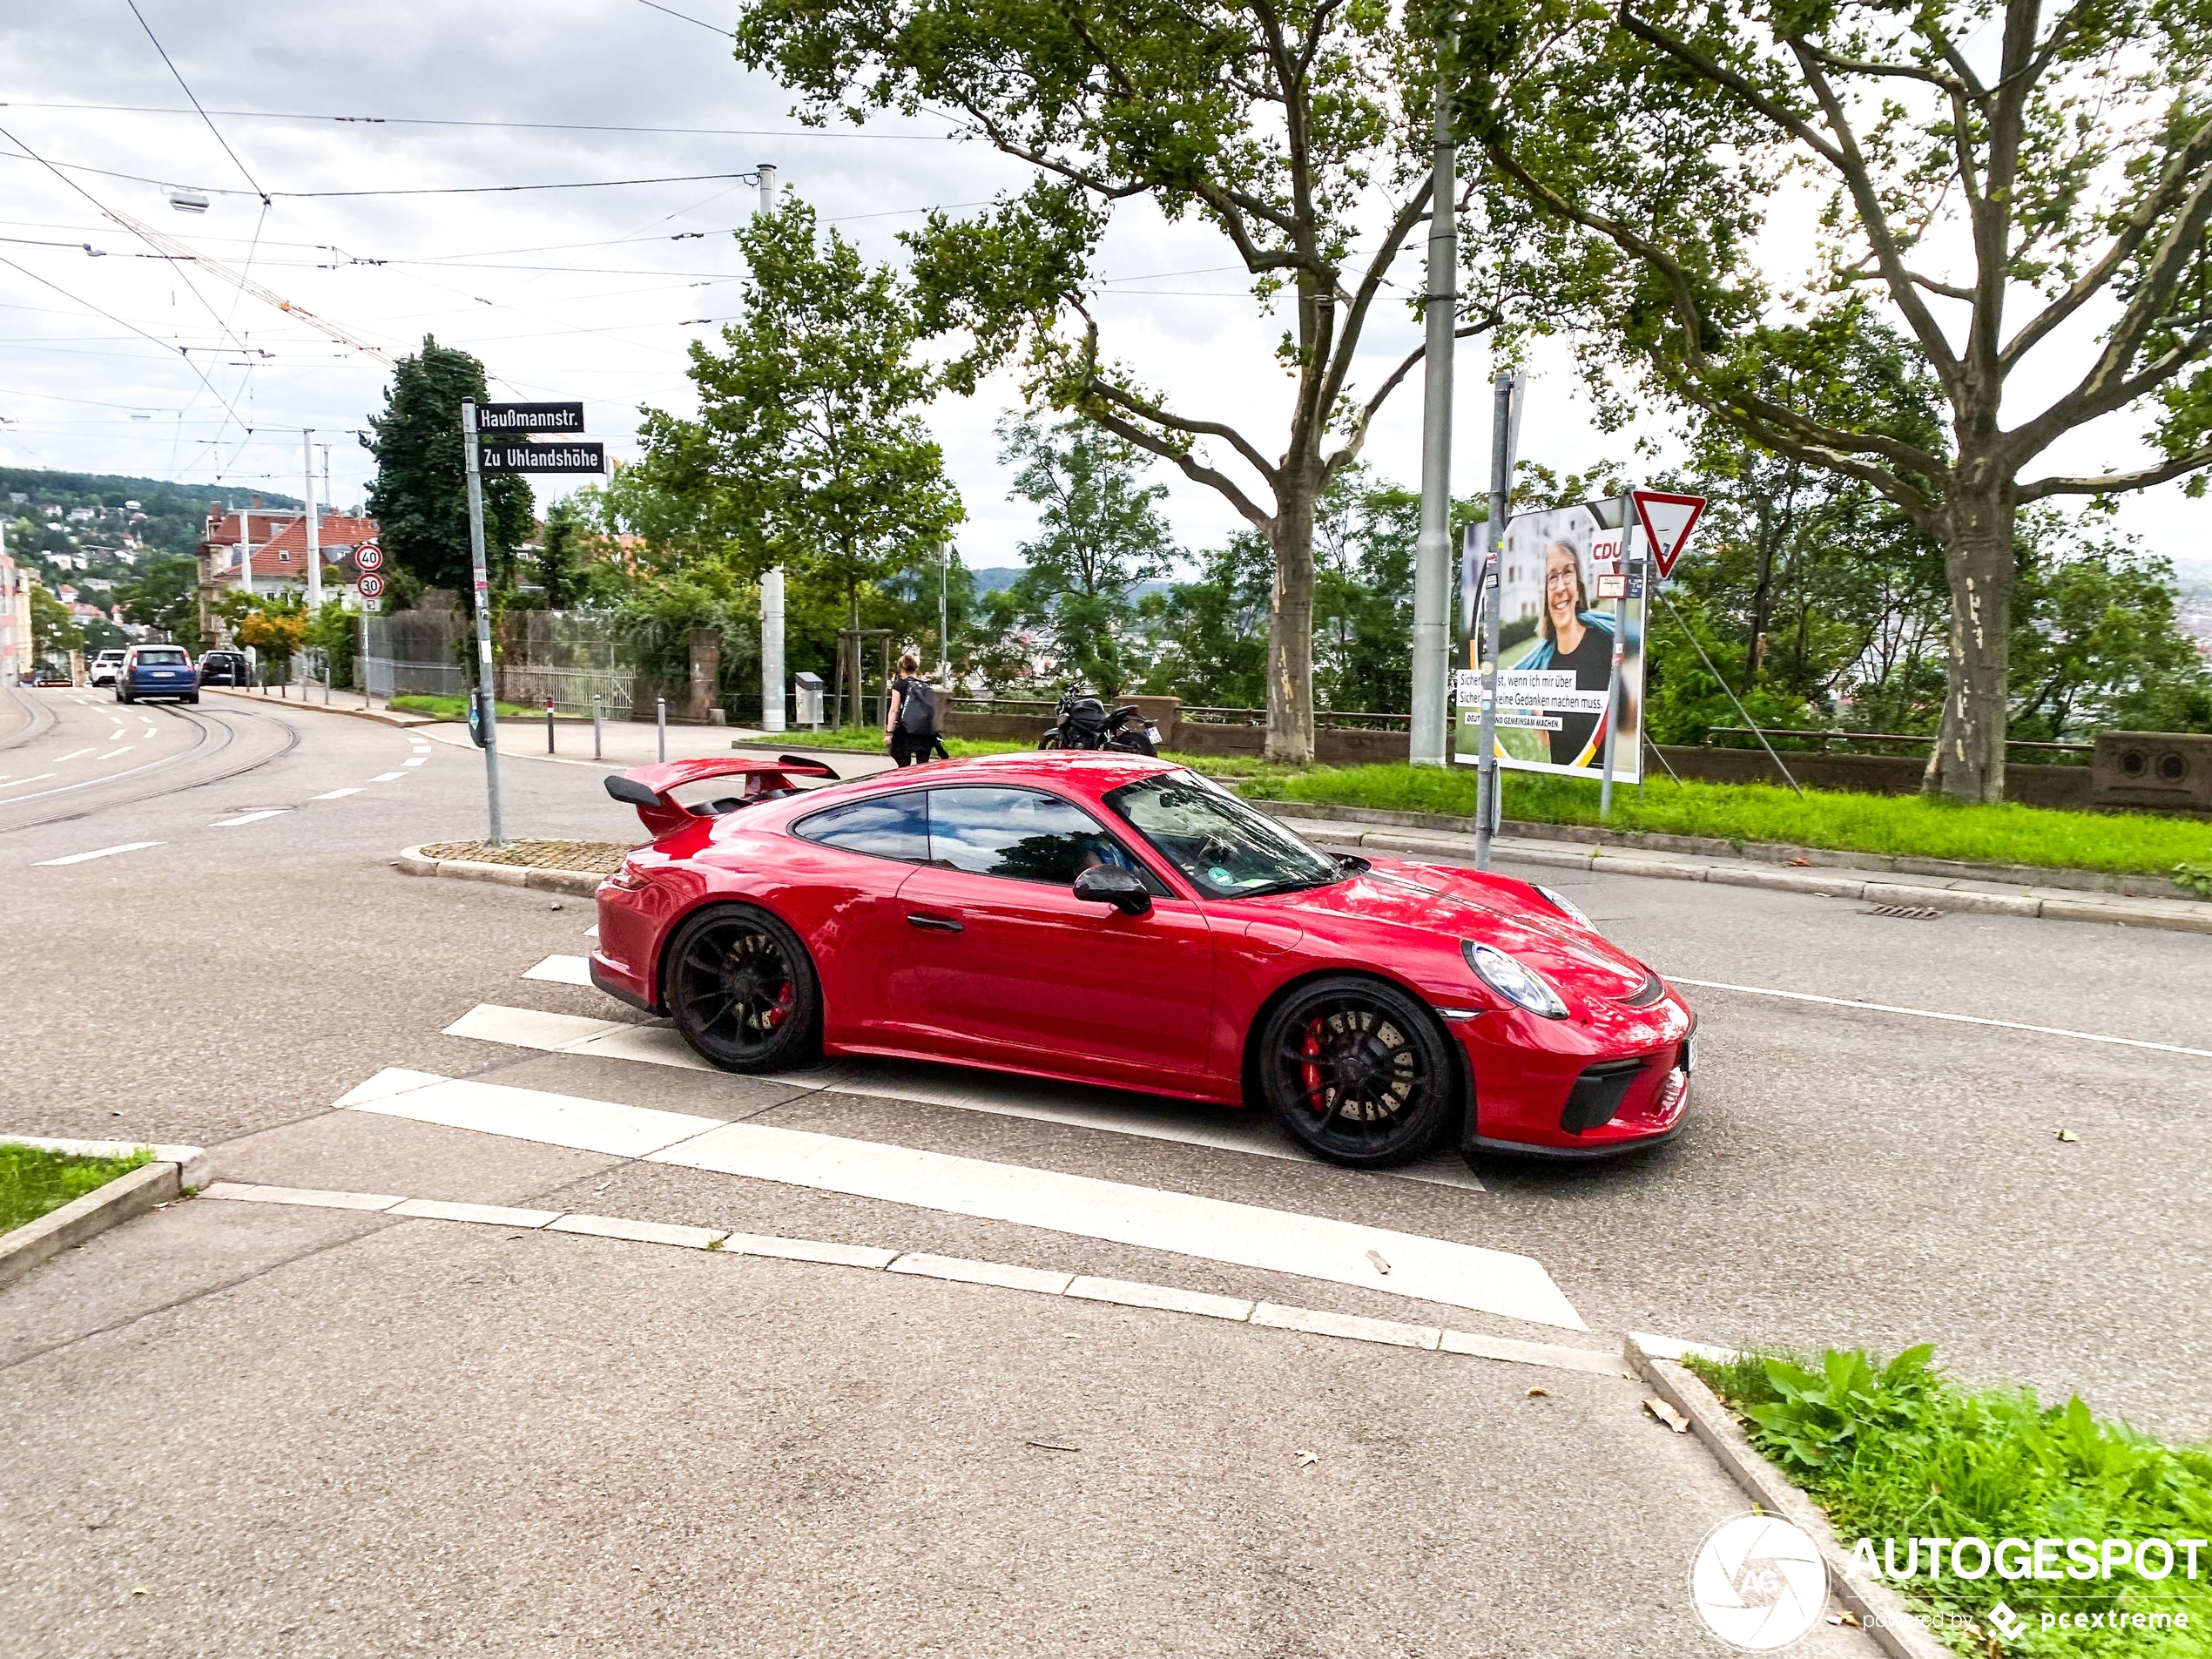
(1110, 884)
(631, 791)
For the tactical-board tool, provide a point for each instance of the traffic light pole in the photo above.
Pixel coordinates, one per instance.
(486, 682)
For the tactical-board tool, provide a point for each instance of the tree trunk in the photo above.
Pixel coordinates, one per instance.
(1762, 598)
(1290, 630)
(1968, 764)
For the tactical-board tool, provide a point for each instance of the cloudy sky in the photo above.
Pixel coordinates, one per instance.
(568, 293)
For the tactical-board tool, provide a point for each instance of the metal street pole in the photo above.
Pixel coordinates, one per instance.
(486, 680)
(1433, 551)
(944, 614)
(1620, 656)
(1505, 426)
(314, 527)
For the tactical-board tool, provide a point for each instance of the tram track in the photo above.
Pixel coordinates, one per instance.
(212, 728)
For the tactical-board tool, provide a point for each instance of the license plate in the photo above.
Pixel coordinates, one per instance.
(1151, 731)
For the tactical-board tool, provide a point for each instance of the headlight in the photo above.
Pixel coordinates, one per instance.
(1521, 985)
(1565, 906)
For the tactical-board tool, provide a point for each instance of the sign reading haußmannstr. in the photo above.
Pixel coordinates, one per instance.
(528, 417)
(543, 457)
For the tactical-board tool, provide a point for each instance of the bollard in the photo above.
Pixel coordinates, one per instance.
(663, 720)
(549, 725)
(595, 729)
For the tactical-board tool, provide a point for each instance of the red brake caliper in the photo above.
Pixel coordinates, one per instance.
(781, 1012)
(1310, 1073)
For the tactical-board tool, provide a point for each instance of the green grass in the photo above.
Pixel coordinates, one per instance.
(1907, 825)
(456, 708)
(1899, 1450)
(33, 1181)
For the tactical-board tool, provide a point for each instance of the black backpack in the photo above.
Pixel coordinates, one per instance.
(917, 709)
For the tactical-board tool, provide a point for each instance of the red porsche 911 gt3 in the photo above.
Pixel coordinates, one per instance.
(1112, 918)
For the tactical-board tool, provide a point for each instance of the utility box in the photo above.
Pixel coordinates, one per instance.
(2169, 769)
(806, 700)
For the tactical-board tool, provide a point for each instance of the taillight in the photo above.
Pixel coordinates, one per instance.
(629, 878)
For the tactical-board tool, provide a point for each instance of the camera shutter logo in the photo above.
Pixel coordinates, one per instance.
(1758, 1583)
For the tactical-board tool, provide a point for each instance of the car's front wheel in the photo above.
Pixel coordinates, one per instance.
(1358, 1072)
(742, 990)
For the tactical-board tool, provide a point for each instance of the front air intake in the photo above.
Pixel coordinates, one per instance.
(1595, 1099)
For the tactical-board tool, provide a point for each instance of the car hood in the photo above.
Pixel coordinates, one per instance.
(1457, 905)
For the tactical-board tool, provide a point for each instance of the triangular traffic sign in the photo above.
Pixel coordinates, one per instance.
(1667, 520)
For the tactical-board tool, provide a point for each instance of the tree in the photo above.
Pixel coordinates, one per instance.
(558, 575)
(1100, 534)
(166, 598)
(54, 632)
(808, 449)
(1977, 158)
(1298, 129)
(1209, 639)
(420, 495)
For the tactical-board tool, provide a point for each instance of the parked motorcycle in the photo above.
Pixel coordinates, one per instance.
(1084, 722)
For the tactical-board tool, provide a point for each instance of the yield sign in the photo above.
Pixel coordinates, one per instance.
(1668, 521)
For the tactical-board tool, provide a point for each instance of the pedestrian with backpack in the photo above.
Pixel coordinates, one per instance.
(912, 723)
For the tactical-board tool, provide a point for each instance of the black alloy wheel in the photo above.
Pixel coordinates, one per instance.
(742, 990)
(1356, 1072)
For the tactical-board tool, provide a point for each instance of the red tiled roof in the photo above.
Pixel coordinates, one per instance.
(280, 545)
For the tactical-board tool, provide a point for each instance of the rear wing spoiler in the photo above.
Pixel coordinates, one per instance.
(650, 789)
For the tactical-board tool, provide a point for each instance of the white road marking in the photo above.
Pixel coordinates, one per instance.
(416, 761)
(1044, 1103)
(334, 794)
(71, 755)
(388, 777)
(1430, 1269)
(592, 932)
(247, 818)
(1120, 1292)
(102, 853)
(111, 753)
(562, 970)
(36, 777)
(1953, 1019)
(533, 1114)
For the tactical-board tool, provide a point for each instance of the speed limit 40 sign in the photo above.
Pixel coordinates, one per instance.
(369, 556)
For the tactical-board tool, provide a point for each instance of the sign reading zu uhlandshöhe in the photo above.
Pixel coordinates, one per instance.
(541, 457)
(528, 417)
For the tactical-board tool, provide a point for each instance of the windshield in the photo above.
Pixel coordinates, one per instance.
(1225, 847)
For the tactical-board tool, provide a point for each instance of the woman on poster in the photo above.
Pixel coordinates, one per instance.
(1574, 637)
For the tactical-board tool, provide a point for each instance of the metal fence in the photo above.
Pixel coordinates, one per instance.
(542, 656)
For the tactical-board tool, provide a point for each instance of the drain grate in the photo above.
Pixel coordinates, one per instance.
(1905, 912)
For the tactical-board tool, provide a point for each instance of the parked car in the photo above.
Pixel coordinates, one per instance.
(225, 668)
(156, 670)
(50, 676)
(1110, 918)
(104, 668)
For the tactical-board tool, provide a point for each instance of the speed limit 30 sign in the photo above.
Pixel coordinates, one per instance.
(370, 585)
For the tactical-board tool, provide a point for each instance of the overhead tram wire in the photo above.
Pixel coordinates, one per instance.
(746, 176)
(162, 344)
(204, 116)
(512, 126)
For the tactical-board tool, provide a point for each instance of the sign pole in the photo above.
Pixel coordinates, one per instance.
(1620, 656)
(487, 683)
(1504, 393)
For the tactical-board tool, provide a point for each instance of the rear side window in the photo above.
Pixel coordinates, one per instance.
(1021, 834)
(888, 826)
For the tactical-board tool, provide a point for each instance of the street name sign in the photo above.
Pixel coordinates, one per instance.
(521, 457)
(1667, 520)
(529, 417)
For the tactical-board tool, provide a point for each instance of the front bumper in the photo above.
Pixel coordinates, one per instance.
(1546, 1093)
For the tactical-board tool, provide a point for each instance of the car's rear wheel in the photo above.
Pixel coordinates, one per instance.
(742, 990)
(1356, 1072)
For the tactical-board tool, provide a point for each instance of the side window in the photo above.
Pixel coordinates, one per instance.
(1020, 833)
(888, 827)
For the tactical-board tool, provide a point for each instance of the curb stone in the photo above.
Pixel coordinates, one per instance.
(2177, 915)
(579, 883)
(82, 1219)
(1589, 835)
(1881, 1613)
(382, 717)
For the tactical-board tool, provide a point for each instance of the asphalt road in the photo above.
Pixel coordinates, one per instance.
(405, 1428)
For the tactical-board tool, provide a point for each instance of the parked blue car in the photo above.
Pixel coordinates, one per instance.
(156, 670)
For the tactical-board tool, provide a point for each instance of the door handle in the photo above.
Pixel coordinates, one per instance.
(934, 924)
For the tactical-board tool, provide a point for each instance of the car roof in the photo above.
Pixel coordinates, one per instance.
(1087, 773)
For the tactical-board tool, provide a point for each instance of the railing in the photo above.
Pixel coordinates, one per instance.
(1197, 714)
(572, 690)
(1820, 740)
(388, 676)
